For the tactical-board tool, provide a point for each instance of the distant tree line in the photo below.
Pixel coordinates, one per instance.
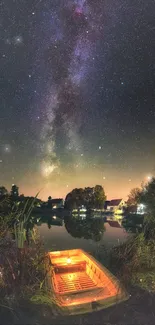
(89, 197)
(11, 199)
(13, 192)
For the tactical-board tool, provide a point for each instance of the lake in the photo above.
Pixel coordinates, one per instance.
(85, 234)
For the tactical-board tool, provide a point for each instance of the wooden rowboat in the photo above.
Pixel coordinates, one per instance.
(80, 284)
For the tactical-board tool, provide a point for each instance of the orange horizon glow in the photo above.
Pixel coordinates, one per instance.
(112, 190)
(116, 185)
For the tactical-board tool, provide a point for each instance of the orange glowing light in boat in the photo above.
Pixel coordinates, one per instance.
(79, 280)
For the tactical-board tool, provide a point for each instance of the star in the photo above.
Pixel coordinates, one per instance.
(18, 40)
(8, 41)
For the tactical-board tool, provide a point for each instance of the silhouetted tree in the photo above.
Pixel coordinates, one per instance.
(90, 197)
(147, 197)
(14, 190)
(3, 191)
(134, 197)
(99, 197)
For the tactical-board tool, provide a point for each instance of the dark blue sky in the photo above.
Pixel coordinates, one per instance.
(77, 94)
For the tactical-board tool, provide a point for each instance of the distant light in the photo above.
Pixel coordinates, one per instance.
(100, 147)
(104, 177)
(142, 205)
(54, 217)
(68, 260)
(149, 178)
(7, 148)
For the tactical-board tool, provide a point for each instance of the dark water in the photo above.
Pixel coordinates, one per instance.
(87, 234)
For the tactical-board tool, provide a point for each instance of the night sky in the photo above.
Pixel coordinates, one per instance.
(77, 95)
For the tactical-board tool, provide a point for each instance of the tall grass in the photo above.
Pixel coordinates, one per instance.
(134, 261)
(21, 261)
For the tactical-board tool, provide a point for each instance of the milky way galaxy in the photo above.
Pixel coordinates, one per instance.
(77, 95)
(69, 60)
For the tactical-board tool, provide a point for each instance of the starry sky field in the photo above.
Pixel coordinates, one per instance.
(77, 95)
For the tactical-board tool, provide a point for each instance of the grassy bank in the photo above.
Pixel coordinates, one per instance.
(133, 262)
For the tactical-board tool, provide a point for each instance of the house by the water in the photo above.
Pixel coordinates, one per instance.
(115, 206)
(55, 203)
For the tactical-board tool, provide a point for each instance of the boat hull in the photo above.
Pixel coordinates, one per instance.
(80, 284)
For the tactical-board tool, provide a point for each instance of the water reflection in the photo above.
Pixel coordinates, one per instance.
(50, 221)
(133, 223)
(85, 232)
(91, 226)
(85, 227)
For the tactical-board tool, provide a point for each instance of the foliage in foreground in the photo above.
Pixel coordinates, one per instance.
(134, 261)
(22, 271)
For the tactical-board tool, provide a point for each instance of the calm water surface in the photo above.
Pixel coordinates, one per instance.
(58, 238)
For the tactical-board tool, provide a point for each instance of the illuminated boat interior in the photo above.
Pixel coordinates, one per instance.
(77, 278)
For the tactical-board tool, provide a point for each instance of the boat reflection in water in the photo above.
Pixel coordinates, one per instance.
(80, 284)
